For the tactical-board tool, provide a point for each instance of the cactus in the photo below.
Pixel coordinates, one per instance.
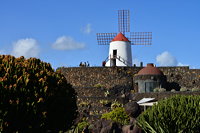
(195, 89)
(117, 115)
(173, 115)
(162, 90)
(183, 89)
(34, 98)
(156, 90)
(173, 90)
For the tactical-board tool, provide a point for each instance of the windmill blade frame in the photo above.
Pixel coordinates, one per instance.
(140, 38)
(123, 21)
(105, 38)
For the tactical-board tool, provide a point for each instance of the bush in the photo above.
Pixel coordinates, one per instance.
(156, 90)
(115, 104)
(159, 90)
(183, 89)
(162, 90)
(195, 89)
(173, 90)
(117, 115)
(34, 98)
(80, 126)
(173, 115)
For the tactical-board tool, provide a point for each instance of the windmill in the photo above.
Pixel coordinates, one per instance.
(120, 45)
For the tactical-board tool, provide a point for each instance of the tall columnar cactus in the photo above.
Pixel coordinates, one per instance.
(178, 114)
(34, 98)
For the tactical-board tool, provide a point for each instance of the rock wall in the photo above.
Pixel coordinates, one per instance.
(98, 88)
(182, 76)
(109, 77)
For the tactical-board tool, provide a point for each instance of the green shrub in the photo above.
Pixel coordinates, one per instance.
(34, 98)
(156, 90)
(98, 85)
(117, 115)
(162, 90)
(183, 89)
(195, 89)
(80, 126)
(104, 102)
(115, 104)
(173, 90)
(159, 90)
(178, 114)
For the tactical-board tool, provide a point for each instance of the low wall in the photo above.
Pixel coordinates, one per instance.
(109, 77)
(93, 83)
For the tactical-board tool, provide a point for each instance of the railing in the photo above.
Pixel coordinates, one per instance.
(119, 58)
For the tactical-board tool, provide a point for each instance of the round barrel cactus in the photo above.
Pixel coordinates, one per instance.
(33, 97)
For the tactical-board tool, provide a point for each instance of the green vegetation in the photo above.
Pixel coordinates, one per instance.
(156, 90)
(178, 114)
(104, 102)
(34, 98)
(98, 86)
(195, 89)
(159, 90)
(80, 126)
(183, 89)
(117, 115)
(162, 90)
(173, 90)
(115, 104)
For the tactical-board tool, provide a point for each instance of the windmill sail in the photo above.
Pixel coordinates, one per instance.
(124, 21)
(105, 38)
(140, 38)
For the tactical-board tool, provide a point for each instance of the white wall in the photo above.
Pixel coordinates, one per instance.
(123, 51)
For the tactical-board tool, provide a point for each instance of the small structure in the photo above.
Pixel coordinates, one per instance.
(147, 102)
(148, 79)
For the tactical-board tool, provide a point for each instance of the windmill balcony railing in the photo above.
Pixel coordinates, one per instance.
(118, 58)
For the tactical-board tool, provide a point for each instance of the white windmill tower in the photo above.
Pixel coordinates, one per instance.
(120, 46)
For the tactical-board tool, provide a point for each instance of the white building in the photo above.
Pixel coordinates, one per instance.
(120, 52)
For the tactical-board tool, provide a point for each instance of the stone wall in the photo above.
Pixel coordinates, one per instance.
(109, 77)
(182, 76)
(99, 87)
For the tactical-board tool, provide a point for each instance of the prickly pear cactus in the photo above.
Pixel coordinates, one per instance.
(34, 98)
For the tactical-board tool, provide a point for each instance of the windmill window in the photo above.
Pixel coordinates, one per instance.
(115, 53)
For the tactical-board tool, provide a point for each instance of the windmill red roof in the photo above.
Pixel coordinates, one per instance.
(120, 37)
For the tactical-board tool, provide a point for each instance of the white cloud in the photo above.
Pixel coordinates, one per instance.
(87, 29)
(181, 64)
(2, 52)
(166, 59)
(26, 47)
(67, 43)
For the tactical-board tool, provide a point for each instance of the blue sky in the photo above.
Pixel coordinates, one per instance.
(63, 32)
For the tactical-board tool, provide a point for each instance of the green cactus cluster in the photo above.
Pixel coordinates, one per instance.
(33, 97)
(178, 114)
(118, 114)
